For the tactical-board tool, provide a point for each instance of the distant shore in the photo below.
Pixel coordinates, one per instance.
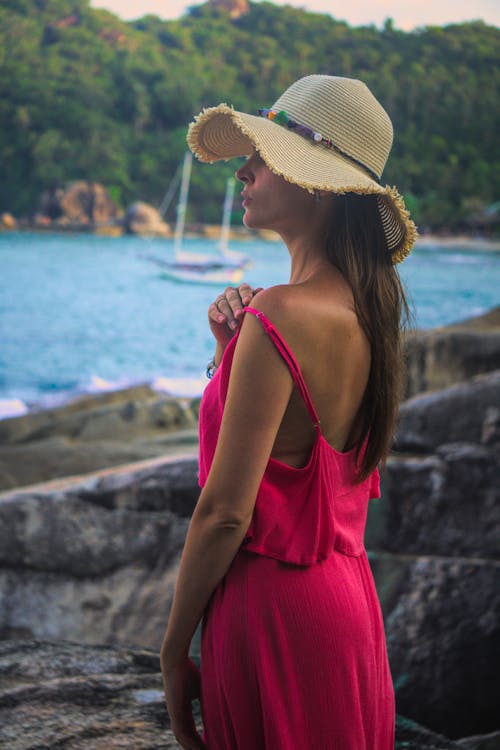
(211, 232)
(464, 240)
(118, 229)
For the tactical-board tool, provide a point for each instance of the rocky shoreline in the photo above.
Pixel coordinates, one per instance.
(134, 424)
(88, 563)
(212, 232)
(96, 432)
(86, 206)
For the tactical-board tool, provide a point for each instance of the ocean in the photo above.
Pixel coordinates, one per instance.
(83, 313)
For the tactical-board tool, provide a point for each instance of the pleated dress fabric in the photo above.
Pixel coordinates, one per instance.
(293, 652)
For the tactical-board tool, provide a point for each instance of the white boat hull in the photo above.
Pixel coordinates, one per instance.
(218, 277)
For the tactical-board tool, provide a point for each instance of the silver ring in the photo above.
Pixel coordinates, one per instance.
(219, 299)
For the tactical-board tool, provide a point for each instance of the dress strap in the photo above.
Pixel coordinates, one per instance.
(290, 360)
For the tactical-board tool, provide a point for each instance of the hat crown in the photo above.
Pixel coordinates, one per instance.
(345, 111)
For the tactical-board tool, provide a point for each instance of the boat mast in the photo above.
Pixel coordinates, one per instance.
(172, 189)
(183, 196)
(226, 216)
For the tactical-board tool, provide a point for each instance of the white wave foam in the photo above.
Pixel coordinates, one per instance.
(188, 387)
(182, 387)
(462, 260)
(99, 385)
(12, 407)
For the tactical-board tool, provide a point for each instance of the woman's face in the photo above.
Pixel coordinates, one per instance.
(270, 202)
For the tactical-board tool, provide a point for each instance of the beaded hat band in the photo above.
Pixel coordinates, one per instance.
(323, 133)
(281, 118)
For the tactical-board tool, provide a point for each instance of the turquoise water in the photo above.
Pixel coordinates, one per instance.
(80, 313)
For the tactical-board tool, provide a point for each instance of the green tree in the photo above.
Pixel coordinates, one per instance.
(85, 95)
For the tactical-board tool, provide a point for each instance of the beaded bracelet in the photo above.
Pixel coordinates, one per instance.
(211, 368)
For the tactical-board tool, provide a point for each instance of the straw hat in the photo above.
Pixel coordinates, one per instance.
(323, 133)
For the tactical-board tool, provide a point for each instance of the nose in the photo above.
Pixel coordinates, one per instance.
(244, 173)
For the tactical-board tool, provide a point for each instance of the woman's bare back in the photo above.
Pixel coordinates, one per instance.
(318, 321)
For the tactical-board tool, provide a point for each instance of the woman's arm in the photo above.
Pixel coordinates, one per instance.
(259, 390)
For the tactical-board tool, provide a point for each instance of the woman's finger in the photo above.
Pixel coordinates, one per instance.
(215, 314)
(227, 303)
(246, 293)
(234, 298)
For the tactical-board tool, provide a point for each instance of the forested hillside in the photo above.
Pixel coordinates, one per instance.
(86, 95)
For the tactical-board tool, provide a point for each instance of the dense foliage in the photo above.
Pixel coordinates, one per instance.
(85, 95)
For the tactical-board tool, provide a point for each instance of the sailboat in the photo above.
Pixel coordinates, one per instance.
(225, 267)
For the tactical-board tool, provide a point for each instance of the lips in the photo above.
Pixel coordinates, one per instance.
(245, 200)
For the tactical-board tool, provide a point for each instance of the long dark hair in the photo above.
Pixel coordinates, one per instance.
(356, 246)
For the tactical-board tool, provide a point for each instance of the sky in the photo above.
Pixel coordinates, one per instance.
(405, 15)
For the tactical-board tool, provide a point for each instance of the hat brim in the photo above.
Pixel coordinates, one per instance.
(222, 133)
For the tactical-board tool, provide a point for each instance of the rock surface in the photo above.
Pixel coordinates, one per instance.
(444, 504)
(95, 561)
(145, 220)
(466, 412)
(440, 589)
(443, 636)
(80, 698)
(235, 8)
(77, 697)
(481, 742)
(7, 221)
(441, 490)
(442, 356)
(95, 432)
(80, 203)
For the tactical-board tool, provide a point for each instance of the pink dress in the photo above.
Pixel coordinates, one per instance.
(293, 653)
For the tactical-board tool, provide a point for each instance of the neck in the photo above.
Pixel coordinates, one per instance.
(307, 256)
(307, 248)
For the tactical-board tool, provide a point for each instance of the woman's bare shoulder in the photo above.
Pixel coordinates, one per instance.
(304, 305)
(273, 300)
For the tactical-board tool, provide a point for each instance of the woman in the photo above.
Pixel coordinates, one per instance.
(292, 426)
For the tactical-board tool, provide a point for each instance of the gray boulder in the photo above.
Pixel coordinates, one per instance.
(442, 356)
(442, 618)
(440, 517)
(440, 488)
(96, 561)
(489, 741)
(100, 698)
(80, 697)
(121, 414)
(143, 219)
(79, 203)
(466, 412)
(95, 432)
(443, 504)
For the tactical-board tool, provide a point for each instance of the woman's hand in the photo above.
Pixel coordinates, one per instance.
(182, 686)
(224, 313)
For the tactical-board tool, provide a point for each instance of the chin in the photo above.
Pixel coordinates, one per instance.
(247, 222)
(251, 222)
